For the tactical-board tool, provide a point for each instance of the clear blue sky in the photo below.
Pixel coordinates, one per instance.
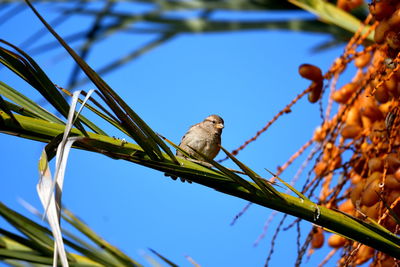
(245, 77)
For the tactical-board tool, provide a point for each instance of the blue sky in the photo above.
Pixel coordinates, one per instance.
(245, 77)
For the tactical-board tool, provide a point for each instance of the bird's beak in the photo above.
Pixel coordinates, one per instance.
(220, 126)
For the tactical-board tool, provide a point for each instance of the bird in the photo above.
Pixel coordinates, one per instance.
(203, 137)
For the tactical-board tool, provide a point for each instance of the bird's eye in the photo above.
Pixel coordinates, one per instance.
(214, 122)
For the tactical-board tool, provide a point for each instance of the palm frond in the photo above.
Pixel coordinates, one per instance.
(35, 243)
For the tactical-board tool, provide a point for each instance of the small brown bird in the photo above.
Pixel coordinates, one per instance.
(204, 137)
